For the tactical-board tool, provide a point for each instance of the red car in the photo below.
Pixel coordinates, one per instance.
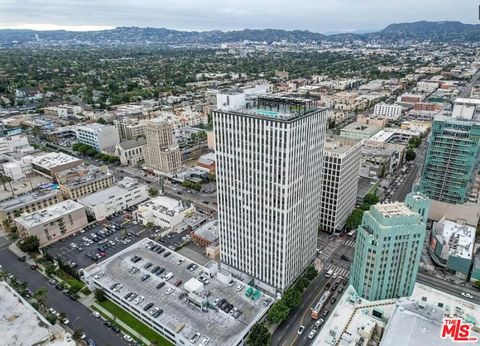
(103, 254)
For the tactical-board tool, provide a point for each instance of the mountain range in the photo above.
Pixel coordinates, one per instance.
(419, 31)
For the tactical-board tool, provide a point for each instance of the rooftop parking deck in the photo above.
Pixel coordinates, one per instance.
(178, 313)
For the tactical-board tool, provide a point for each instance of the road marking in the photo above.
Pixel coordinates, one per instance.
(308, 309)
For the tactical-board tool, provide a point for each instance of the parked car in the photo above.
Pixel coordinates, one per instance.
(300, 330)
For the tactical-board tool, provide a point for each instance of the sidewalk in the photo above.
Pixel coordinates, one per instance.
(124, 326)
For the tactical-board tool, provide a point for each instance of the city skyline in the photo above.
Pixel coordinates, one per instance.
(336, 16)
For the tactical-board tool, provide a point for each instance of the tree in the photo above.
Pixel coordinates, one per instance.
(365, 206)
(29, 244)
(355, 219)
(370, 198)
(153, 191)
(477, 283)
(101, 121)
(410, 155)
(292, 297)
(50, 269)
(259, 336)
(311, 273)
(302, 283)
(100, 295)
(278, 312)
(40, 296)
(77, 335)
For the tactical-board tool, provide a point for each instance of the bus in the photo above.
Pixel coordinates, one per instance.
(320, 304)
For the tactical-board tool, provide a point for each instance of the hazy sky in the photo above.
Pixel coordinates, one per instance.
(314, 15)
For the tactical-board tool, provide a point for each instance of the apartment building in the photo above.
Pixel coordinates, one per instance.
(268, 219)
(26, 203)
(52, 223)
(98, 136)
(389, 111)
(129, 128)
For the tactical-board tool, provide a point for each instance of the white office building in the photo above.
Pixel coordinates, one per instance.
(98, 136)
(341, 166)
(391, 112)
(126, 193)
(18, 169)
(268, 160)
(164, 212)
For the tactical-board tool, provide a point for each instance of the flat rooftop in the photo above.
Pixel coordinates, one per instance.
(50, 160)
(208, 230)
(361, 128)
(79, 176)
(220, 327)
(339, 145)
(50, 213)
(414, 320)
(394, 209)
(102, 196)
(21, 324)
(460, 237)
(26, 199)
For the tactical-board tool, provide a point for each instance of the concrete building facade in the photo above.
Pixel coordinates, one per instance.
(98, 136)
(161, 152)
(268, 160)
(341, 165)
(52, 223)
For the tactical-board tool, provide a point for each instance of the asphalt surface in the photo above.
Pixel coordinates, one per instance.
(447, 287)
(80, 317)
(406, 186)
(332, 249)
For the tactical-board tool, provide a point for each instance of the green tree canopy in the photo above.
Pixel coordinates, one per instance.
(355, 219)
(278, 312)
(100, 295)
(311, 273)
(29, 244)
(153, 191)
(410, 155)
(259, 336)
(292, 297)
(370, 198)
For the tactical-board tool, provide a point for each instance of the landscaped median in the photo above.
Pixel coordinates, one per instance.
(127, 318)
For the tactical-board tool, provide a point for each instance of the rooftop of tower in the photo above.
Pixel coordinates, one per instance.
(281, 106)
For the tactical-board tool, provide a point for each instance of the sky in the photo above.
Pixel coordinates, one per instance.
(323, 16)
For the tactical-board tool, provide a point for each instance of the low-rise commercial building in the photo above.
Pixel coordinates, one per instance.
(13, 144)
(126, 193)
(206, 234)
(451, 245)
(18, 169)
(26, 203)
(207, 161)
(131, 152)
(359, 131)
(98, 136)
(163, 212)
(52, 223)
(50, 164)
(84, 180)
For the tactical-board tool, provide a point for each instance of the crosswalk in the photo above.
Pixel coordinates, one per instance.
(338, 270)
(349, 242)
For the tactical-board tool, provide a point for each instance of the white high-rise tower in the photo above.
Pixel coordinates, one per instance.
(269, 158)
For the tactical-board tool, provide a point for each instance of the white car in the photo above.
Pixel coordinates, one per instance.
(138, 300)
(312, 333)
(96, 314)
(205, 341)
(128, 338)
(169, 290)
(180, 261)
(73, 245)
(194, 338)
(98, 275)
(467, 295)
(239, 287)
(300, 330)
(153, 311)
(65, 321)
(334, 276)
(118, 287)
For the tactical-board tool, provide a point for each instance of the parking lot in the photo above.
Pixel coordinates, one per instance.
(82, 249)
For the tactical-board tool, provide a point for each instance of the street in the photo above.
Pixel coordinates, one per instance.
(332, 248)
(80, 317)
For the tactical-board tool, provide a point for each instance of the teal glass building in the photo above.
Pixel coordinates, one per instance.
(452, 160)
(388, 248)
